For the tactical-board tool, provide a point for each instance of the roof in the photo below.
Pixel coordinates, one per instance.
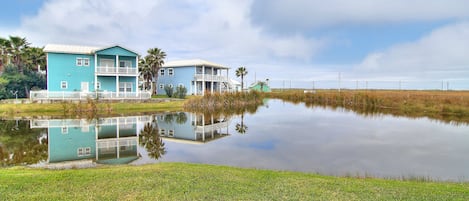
(235, 82)
(70, 49)
(78, 49)
(193, 62)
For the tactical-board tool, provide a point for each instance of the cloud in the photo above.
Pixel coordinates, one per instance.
(213, 30)
(303, 15)
(440, 54)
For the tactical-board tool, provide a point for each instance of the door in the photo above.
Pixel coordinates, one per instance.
(84, 86)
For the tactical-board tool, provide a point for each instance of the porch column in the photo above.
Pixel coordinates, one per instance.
(228, 81)
(117, 141)
(203, 80)
(117, 86)
(95, 72)
(211, 85)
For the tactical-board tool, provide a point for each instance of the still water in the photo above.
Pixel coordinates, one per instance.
(280, 136)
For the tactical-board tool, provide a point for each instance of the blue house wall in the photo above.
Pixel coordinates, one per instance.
(62, 67)
(64, 146)
(181, 76)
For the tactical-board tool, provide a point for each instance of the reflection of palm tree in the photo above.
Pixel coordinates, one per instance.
(152, 142)
(241, 128)
(168, 118)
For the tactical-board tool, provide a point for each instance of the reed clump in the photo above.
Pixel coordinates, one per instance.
(442, 105)
(226, 103)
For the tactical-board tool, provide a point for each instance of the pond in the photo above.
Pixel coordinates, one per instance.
(279, 136)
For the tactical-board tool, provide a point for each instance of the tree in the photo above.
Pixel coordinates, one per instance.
(152, 142)
(16, 51)
(34, 58)
(241, 72)
(155, 59)
(145, 72)
(241, 128)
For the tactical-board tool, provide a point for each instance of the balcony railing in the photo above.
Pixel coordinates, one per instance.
(210, 78)
(65, 95)
(100, 70)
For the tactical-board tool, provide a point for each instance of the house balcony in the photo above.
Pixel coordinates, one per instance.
(210, 78)
(102, 70)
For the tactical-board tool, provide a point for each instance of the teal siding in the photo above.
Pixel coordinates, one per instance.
(64, 147)
(62, 67)
(116, 50)
(107, 83)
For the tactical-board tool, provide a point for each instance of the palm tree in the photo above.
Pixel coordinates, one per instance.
(17, 51)
(35, 57)
(241, 72)
(155, 59)
(241, 128)
(4, 54)
(152, 142)
(145, 72)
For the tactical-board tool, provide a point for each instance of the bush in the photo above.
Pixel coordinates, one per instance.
(181, 92)
(169, 90)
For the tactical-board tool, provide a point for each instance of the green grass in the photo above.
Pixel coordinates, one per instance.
(180, 181)
(103, 108)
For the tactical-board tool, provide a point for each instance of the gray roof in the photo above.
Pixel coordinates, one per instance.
(193, 62)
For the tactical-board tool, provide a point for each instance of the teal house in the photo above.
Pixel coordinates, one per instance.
(80, 72)
(260, 86)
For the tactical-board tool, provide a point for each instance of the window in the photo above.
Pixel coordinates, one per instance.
(64, 130)
(63, 85)
(125, 87)
(162, 132)
(106, 63)
(86, 62)
(125, 63)
(171, 133)
(170, 71)
(162, 72)
(84, 151)
(98, 85)
(79, 61)
(161, 86)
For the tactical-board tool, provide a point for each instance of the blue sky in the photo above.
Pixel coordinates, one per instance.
(421, 43)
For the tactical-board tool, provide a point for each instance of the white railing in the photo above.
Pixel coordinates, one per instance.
(66, 95)
(212, 127)
(100, 70)
(210, 78)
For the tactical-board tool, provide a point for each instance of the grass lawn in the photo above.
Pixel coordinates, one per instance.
(181, 181)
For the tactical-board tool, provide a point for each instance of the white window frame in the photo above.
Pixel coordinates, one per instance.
(104, 61)
(170, 72)
(127, 63)
(162, 132)
(86, 61)
(125, 86)
(171, 133)
(64, 130)
(83, 151)
(63, 84)
(161, 86)
(79, 61)
(161, 72)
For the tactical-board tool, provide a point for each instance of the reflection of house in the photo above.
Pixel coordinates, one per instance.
(80, 72)
(107, 140)
(197, 76)
(192, 128)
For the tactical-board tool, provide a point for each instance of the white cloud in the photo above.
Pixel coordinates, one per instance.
(441, 54)
(306, 14)
(213, 30)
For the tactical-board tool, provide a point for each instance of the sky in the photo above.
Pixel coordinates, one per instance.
(422, 44)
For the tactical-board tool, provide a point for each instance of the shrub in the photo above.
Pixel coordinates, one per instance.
(181, 92)
(169, 90)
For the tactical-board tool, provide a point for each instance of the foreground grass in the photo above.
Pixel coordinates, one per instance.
(77, 109)
(180, 181)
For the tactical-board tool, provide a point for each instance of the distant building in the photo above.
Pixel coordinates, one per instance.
(80, 72)
(260, 86)
(197, 76)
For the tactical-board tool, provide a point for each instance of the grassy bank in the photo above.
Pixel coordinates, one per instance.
(178, 181)
(225, 103)
(442, 105)
(86, 108)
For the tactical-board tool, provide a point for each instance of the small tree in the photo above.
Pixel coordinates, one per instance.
(169, 90)
(181, 92)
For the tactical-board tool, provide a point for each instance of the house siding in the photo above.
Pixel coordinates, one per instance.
(116, 51)
(62, 67)
(64, 146)
(181, 75)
